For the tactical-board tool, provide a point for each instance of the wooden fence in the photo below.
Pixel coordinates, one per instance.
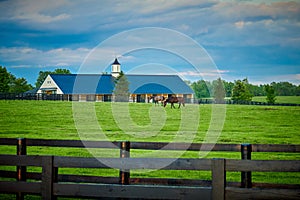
(50, 184)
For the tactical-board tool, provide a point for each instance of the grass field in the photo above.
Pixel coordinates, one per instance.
(243, 124)
(279, 99)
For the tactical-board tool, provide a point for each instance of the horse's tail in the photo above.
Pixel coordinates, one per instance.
(182, 101)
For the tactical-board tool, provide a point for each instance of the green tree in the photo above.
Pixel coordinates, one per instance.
(228, 86)
(240, 91)
(61, 71)
(257, 90)
(19, 85)
(219, 91)
(284, 88)
(271, 98)
(4, 79)
(43, 74)
(121, 91)
(298, 90)
(200, 88)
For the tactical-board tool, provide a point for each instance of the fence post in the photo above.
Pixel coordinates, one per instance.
(54, 178)
(218, 178)
(21, 170)
(48, 176)
(246, 179)
(124, 153)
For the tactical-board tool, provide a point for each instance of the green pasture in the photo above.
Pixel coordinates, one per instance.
(242, 124)
(279, 99)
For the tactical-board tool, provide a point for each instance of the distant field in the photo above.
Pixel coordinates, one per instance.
(279, 99)
(243, 124)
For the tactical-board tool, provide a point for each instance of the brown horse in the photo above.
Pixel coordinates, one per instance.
(173, 99)
(156, 99)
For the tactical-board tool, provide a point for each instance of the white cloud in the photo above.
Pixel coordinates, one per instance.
(293, 78)
(36, 57)
(263, 79)
(32, 11)
(209, 73)
(225, 24)
(39, 18)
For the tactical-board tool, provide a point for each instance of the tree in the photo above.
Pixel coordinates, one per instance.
(298, 90)
(4, 79)
(284, 88)
(201, 89)
(228, 86)
(43, 74)
(121, 91)
(257, 90)
(219, 91)
(9, 83)
(270, 94)
(19, 85)
(240, 91)
(61, 71)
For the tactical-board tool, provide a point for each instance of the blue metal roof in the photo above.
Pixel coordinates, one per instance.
(104, 84)
(84, 83)
(158, 84)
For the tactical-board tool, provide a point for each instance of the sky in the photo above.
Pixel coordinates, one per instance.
(254, 39)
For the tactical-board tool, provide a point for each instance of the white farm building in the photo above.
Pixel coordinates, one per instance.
(99, 87)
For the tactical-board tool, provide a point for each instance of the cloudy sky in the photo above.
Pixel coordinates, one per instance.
(256, 39)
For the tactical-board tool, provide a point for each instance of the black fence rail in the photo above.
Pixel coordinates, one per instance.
(241, 102)
(51, 184)
(90, 97)
(31, 96)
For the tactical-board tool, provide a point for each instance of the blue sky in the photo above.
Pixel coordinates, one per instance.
(259, 40)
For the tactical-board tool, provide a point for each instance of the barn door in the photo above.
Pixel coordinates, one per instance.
(138, 98)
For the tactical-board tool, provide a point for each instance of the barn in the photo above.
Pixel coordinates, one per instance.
(99, 87)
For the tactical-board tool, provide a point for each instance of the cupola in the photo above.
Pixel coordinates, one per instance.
(115, 68)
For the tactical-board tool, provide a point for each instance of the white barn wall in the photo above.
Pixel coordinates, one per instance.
(50, 83)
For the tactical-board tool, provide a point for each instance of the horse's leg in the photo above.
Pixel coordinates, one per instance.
(179, 104)
(172, 105)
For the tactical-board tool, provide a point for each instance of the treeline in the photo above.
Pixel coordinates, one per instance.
(206, 89)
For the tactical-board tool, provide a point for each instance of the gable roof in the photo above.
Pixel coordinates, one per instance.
(84, 83)
(104, 84)
(157, 84)
(33, 91)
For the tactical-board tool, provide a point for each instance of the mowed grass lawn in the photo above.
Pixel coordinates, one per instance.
(279, 99)
(243, 124)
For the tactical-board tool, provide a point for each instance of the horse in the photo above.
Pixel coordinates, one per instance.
(173, 99)
(156, 99)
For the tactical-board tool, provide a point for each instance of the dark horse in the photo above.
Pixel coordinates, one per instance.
(172, 100)
(156, 99)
